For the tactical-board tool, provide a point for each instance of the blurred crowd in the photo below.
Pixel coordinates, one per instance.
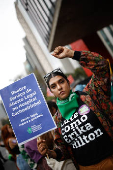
(27, 156)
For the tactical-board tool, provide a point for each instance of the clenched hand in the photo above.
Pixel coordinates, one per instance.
(63, 52)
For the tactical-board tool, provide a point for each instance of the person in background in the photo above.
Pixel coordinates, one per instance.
(5, 163)
(31, 146)
(11, 145)
(31, 149)
(85, 127)
(30, 153)
(82, 84)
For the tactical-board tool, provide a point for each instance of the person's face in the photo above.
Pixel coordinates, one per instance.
(59, 87)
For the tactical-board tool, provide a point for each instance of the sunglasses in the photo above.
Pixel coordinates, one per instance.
(54, 71)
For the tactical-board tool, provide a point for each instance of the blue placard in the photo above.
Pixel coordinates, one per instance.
(27, 109)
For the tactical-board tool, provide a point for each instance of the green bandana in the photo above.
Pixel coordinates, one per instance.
(68, 106)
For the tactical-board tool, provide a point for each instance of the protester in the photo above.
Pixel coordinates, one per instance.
(30, 153)
(31, 149)
(85, 128)
(31, 146)
(11, 145)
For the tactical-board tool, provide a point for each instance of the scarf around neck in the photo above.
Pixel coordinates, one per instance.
(68, 106)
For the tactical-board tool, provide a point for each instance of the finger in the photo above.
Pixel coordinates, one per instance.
(40, 141)
(45, 146)
(58, 50)
(42, 150)
(42, 146)
(57, 56)
(58, 47)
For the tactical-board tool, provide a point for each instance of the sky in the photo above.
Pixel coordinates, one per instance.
(12, 53)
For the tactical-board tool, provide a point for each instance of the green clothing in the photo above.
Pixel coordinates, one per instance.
(68, 106)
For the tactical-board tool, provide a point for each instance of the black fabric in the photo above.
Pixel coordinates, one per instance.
(101, 111)
(59, 154)
(1, 165)
(10, 165)
(77, 55)
(15, 150)
(85, 134)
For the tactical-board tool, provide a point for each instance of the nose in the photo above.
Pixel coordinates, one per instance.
(59, 86)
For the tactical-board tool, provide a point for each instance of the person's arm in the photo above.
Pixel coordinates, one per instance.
(12, 142)
(13, 145)
(99, 86)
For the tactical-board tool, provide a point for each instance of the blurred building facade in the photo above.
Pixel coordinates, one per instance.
(81, 25)
(28, 14)
(3, 114)
(2, 111)
(32, 64)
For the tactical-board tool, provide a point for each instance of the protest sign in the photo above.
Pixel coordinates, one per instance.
(27, 109)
